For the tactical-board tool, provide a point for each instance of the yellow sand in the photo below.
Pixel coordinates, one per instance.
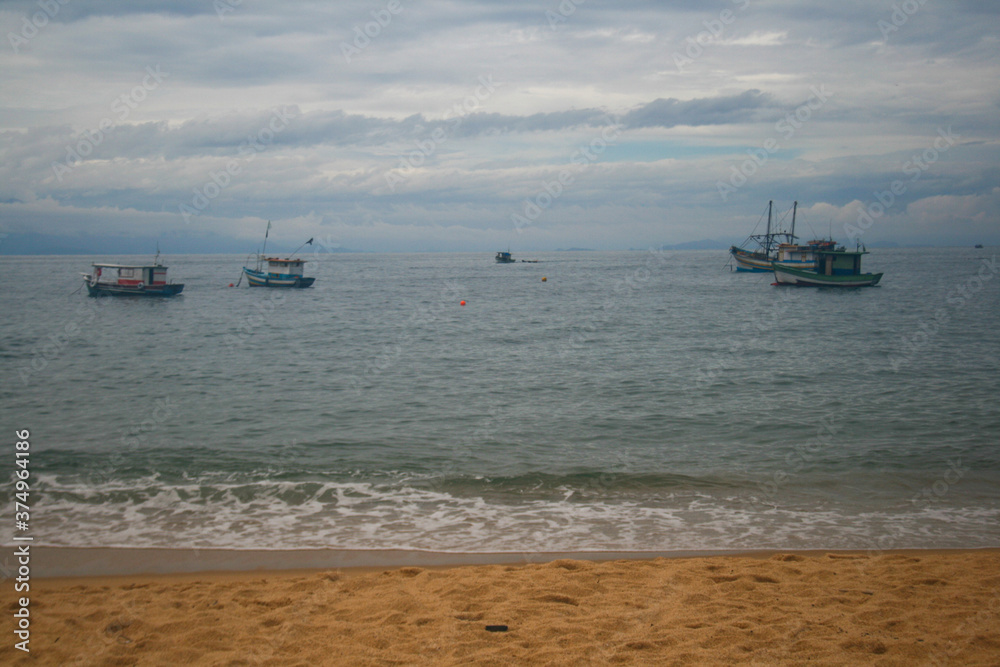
(917, 608)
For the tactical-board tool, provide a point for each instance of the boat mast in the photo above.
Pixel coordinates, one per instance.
(767, 237)
(795, 206)
(261, 254)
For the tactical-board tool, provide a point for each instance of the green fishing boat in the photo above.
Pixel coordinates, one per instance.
(834, 268)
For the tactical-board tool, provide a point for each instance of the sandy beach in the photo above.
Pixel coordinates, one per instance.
(901, 608)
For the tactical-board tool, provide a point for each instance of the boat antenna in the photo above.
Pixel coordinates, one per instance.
(309, 242)
(795, 207)
(156, 260)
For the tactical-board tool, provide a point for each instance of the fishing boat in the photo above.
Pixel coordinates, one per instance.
(836, 268)
(770, 249)
(505, 257)
(130, 280)
(280, 271)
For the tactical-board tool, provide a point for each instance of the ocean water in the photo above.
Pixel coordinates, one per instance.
(630, 401)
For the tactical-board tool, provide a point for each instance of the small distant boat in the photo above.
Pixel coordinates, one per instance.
(130, 280)
(979, 245)
(770, 249)
(836, 268)
(280, 271)
(505, 258)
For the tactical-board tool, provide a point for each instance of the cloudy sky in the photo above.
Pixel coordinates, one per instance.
(474, 125)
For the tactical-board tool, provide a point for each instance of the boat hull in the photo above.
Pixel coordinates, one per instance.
(133, 290)
(756, 262)
(746, 260)
(262, 279)
(784, 275)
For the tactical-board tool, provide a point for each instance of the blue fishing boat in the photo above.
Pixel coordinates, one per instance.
(505, 257)
(279, 271)
(130, 280)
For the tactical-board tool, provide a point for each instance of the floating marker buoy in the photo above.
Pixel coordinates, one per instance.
(230, 284)
(544, 279)
(461, 303)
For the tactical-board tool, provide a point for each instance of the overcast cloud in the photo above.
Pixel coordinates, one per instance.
(476, 125)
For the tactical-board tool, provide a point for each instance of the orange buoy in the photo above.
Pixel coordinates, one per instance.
(461, 303)
(544, 279)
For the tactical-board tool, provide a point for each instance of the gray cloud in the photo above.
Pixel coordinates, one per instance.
(401, 145)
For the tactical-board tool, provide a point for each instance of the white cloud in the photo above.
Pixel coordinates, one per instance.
(757, 38)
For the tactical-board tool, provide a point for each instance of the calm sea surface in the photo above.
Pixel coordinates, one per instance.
(631, 401)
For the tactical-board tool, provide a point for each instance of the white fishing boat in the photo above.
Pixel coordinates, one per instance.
(130, 280)
(769, 248)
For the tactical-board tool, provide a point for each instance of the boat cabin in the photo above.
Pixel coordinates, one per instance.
(129, 276)
(839, 262)
(285, 267)
(802, 253)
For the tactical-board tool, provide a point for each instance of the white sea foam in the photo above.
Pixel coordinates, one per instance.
(363, 515)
